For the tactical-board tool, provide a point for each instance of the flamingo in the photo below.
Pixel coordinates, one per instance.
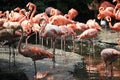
(117, 1)
(47, 10)
(91, 23)
(54, 11)
(81, 26)
(109, 55)
(106, 4)
(117, 11)
(72, 13)
(88, 34)
(50, 11)
(16, 16)
(33, 52)
(104, 12)
(53, 31)
(35, 18)
(115, 27)
(59, 20)
(9, 35)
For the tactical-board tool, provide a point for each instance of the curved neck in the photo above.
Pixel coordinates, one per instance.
(44, 24)
(34, 11)
(110, 24)
(20, 42)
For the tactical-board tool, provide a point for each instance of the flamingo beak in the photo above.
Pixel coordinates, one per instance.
(100, 29)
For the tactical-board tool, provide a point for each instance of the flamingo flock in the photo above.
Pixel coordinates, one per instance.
(52, 23)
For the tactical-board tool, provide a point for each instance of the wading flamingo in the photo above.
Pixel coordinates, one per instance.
(9, 35)
(33, 52)
(109, 55)
(52, 31)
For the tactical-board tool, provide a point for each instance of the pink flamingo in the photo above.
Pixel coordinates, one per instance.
(104, 12)
(72, 13)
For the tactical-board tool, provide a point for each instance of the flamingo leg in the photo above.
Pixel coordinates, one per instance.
(36, 38)
(106, 71)
(81, 46)
(111, 71)
(14, 56)
(93, 49)
(47, 41)
(61, 44)
(65, 50)
(35, 67)
(54, 53)
(9, 57)
(51, 43)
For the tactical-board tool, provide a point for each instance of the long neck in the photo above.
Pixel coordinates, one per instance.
(42, 23)
(19, 44)
(111, 26)
(34, 10)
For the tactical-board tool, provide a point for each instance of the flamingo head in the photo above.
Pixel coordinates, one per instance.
(108, 18)
(17, 9)
(72, 13)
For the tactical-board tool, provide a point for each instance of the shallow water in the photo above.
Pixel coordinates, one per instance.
(69, 66)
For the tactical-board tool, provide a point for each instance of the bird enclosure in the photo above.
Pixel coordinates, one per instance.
(52, 45)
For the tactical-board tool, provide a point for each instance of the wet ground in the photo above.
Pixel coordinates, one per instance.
(83, 64)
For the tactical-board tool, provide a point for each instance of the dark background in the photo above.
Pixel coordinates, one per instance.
(62, 5)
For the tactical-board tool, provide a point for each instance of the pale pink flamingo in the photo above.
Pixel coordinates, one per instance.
(109, 55)
(53, 31)
(89, 34)
(91, 23)
(81, 26)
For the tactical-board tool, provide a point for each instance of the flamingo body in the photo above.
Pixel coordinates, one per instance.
(109, 55)
(87, 34)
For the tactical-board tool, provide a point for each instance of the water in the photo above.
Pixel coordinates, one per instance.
(87, 67)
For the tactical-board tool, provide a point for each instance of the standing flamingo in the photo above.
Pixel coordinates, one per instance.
(9, 35)
(88, 34)
(33, 52)
(115, 27)
(53, 31)
(109, 55)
